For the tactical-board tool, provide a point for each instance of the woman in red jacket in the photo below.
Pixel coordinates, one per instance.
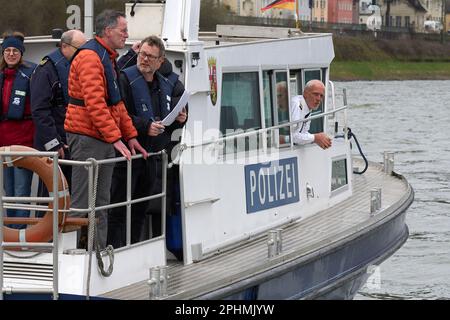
(16, 125)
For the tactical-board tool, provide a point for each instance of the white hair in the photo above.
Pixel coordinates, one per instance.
(312, 83)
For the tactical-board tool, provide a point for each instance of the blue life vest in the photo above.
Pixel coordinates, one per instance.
(141, 94)
(110, 74)
(62, 66)
(20, 91)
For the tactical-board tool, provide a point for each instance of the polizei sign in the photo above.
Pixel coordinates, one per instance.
(271, 184)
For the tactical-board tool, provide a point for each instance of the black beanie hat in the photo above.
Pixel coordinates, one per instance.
(13, 42)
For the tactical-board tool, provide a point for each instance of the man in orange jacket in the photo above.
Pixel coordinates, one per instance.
(96, 118)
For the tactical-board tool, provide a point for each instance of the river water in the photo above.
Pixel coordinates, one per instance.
(411, 118)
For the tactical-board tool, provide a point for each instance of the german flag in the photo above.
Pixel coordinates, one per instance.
(280, 4)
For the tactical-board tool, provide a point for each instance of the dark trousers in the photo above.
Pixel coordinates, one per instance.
(171, 200)
(142, 180)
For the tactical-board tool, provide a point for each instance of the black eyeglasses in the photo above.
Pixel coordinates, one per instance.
(150, 57)
(76, 48)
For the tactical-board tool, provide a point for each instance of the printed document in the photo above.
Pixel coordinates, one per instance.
(170, 118)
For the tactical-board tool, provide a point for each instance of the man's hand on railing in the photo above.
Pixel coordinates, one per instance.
(322, 140)
(135, 145)
(122, 148)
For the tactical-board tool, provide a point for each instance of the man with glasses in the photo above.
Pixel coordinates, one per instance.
(97, 121)
(150, 91)
(49, 98)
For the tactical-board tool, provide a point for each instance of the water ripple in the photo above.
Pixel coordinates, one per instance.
(435, 201)
(420, 139)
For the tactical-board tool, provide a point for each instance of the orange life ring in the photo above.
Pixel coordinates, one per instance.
(43, 166)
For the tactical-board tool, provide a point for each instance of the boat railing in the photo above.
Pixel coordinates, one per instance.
(212, 249)
(255, 132)
(93, 164)
(48, 245)
(92, 167)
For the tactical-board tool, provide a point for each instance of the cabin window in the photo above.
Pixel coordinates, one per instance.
(298, 80)
(282, 102)
(240, 97)
(240, 108)
(276, 106)
(339, 178)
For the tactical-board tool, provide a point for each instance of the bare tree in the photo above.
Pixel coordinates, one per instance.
(388, 12)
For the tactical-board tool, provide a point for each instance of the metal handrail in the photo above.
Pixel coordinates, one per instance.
(333, 95)
(54, 244)
(263, 130)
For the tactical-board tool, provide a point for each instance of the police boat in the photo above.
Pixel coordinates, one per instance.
(257, 217)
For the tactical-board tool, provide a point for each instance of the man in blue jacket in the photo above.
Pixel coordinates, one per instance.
(150, 90)
(49, 97)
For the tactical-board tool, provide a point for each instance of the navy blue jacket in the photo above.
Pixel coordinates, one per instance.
(163, 141)
(19, 91)
(48, 107)
(127, 60)
(109, 68)
(143, 97)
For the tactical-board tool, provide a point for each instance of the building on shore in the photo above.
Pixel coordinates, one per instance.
(407, 14)
(304, 11)
(355, 10)
(253, 8)
(340, 11)
(434, 10)
(320, 11)
(396, 15)
(364, 11)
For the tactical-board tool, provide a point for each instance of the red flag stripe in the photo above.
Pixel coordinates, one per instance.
(281, 4)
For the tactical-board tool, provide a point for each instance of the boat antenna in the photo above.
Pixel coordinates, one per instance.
(132, 13)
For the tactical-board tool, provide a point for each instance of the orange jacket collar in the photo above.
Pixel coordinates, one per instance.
(112, 53)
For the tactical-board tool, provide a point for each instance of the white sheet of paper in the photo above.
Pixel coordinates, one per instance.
(170, 118)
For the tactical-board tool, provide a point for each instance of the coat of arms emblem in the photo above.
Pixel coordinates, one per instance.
(212, 79)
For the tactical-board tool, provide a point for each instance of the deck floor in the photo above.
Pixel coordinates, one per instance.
(299, 238)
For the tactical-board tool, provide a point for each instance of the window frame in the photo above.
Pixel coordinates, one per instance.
(236, 144)
(342, 188)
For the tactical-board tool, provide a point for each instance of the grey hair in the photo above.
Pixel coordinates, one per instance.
(312, 83)
(67, 37)
(157, 42)
(282, 84)
(107, 18)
